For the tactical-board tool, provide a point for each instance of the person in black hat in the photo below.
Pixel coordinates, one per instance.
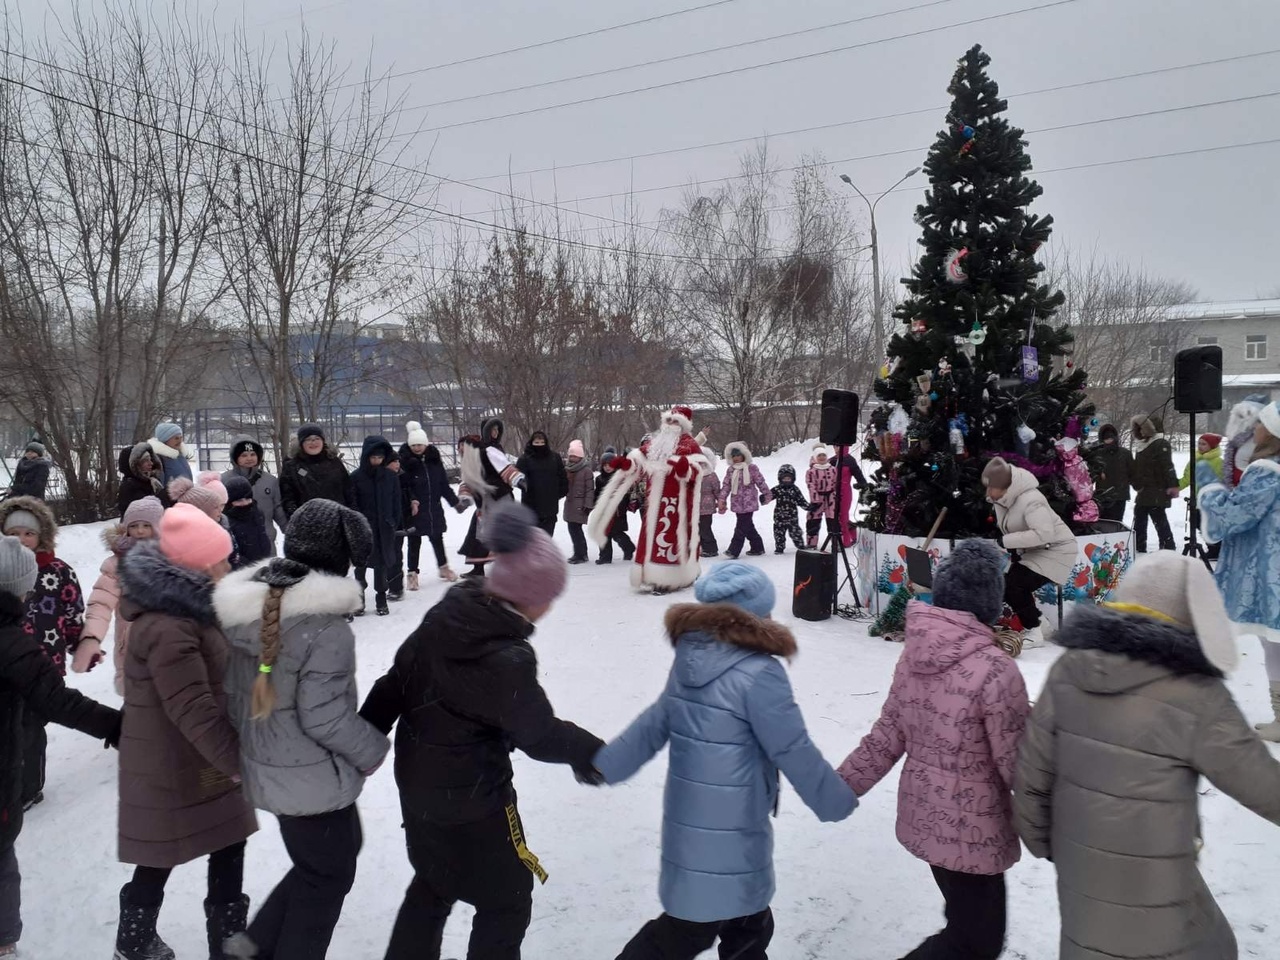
(246, 523)
(248, 461)
(314, 472)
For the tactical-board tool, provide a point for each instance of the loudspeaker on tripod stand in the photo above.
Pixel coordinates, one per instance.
(839, 423)
(1197, 380)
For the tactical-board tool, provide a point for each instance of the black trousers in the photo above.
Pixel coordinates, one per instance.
(780, 532)
(706, 537)
(296, 921)
(10, 897)
(579, 541)
(975, 918)
(415, 552)
(667, 938)
(746, 530)
(624, 543)
(1112, 510)
(813, 526)
(548, 524)
(1160, 517)
(1020, 586)
(34, 744)
(226, 879)
(381, 581)
(478, 863)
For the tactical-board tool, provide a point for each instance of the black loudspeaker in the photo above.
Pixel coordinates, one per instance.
(839, 424)
(1197, 380)
(815, 585)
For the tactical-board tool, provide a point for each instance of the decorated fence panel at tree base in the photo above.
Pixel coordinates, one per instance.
(1101, 558)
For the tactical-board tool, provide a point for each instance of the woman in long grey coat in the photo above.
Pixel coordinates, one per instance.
(305, 752)
(1132, 715)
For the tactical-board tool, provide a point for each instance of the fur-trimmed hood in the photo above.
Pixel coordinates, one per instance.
(710, 638)
(238, 599)
(746, 453)
(44, 516)
(1117, 652)
(151, 583)
(115, 537)
(164, 450)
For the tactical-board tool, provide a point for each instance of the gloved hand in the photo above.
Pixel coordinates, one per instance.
(1014, 556)
(589, 776)
(112, 741)
(87, 656)
(621, 464)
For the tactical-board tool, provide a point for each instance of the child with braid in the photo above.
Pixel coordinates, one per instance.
(305, 751)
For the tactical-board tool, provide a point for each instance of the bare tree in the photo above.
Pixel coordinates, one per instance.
(310, 218)
(103, 220)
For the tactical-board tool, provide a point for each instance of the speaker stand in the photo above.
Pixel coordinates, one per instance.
(1192, 547)
(839, 547)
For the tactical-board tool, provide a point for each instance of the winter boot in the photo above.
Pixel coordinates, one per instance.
(447, 574)
(1271, 731)
(224, 921)
(382, 609)
(136, 937)
(413, 583)
(360, 612)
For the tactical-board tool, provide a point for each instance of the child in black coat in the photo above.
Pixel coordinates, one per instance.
(378, 497)
(245, 521)
(618, 528)
(788, 502)
(31, 688)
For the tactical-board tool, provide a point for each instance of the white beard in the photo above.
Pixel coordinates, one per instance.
(662, 445)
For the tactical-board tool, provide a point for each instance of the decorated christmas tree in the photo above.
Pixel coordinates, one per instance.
(979, 368)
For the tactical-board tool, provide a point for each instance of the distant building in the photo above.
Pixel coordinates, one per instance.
(1248, 331)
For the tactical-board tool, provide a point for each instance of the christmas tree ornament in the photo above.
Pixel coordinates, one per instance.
(966, 147)
(978, 334)
(899, 422)
(1030, 365)
(919, 326)
(953, 265)
(956, 438)
(966, 347)
(944, 367)
(933, 395)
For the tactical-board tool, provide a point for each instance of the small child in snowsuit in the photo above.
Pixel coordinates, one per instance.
(377, 496)
(141, 521)
(731, 717)
(54, 618)
(246, 523)
(29, 686)
(744, 489)
(618, 528)
(710, 498)
(821, 480)
(786, 514)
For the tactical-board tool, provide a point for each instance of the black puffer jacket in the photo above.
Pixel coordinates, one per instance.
(30, 683)
(30, 477)
(378, 497)
(425, 480)
(465, 690)
(546, 481)
(323, 477)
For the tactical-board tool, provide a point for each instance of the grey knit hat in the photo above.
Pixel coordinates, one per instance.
(971, 579)
(997, 473)
(17, 568)
(327, 536)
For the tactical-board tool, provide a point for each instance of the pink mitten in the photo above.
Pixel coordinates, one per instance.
(88, 655)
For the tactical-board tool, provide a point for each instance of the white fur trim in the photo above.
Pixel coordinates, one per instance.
(686, 424)
(602, 514)
(166, 451)
(1269, 417)
(684, 573)
(1271, 465)
(738, 445)
(238, 598)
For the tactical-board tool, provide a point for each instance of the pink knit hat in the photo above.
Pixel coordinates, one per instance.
(576, 449)
(528, 571)
(192, 539)
(207, 493)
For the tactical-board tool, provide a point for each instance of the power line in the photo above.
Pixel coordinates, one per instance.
(547, 43)
(915, 150)
(330, 182)
(887, 116)
(677, 58)
(750, 68)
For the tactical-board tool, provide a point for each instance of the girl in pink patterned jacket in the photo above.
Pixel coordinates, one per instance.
(957, 708)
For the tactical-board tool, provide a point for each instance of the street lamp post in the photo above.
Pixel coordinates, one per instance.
(878, 334)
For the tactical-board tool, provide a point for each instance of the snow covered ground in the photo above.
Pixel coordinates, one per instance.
(846, 890)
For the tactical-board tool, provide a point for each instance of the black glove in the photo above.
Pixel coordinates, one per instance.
(112, 741)
(999, 537)
(589, 776)
(1015, 556)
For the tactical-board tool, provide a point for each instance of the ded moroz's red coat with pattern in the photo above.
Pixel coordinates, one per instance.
(957, 708)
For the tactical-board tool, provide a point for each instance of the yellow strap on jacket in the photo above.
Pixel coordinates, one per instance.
(522, 851)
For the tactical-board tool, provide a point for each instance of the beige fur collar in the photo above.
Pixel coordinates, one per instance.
(730, 624)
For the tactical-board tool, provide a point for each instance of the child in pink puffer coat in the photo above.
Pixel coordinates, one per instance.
(141, 521)
(957, 708)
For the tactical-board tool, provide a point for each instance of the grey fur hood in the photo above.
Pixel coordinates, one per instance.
(1127, 650)
(151, 583)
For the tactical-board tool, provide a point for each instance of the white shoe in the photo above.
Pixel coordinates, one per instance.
(447, 574)
(1034, 637)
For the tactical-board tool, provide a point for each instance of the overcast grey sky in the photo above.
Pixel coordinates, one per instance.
(1209, 218)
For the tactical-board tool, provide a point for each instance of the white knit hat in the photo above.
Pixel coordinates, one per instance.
(417, 436)
(1181, 589)
(18, 568)
(1269, 417)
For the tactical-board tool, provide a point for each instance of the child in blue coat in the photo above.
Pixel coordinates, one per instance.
(728, 703)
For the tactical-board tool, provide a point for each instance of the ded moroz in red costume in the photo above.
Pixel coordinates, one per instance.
(673, 464)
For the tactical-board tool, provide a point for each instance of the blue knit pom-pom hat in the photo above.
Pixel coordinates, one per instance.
(740, 584)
